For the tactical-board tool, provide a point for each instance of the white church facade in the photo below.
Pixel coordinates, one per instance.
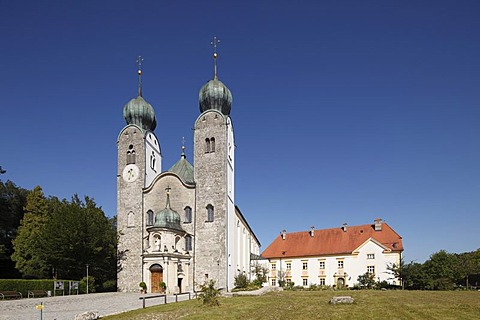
(180, 227)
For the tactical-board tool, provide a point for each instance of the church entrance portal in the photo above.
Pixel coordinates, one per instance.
(156, 278)
(340, 283)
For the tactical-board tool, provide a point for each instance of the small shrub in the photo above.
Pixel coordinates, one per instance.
(163, 285)
(109, 286)
(289, 285)
(209, 294)
(315, 287)
(241, 281)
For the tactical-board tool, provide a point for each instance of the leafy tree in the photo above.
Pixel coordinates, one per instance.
(29, 254)
(440, 269)
(260, 272)
(367, 280)
(12, 202)
(468, 264)
(397, 271)
(78, 233)
(415, 276)
(281, 278)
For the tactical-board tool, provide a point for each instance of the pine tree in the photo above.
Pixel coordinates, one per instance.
(28, 247)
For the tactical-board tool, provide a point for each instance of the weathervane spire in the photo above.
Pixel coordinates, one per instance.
(215, 55)
(139, 71)
(183, 147)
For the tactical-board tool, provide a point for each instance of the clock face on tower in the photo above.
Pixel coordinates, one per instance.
(130, 173)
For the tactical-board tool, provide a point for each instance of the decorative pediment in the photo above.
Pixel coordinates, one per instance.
(378, 243)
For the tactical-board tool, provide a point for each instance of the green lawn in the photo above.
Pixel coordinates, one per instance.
(368, 304)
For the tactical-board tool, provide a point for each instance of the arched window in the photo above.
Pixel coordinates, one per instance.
(207, 145)
(188, 243)
(188, 214)
(130, 154)
(210, 213)
(149, 218)
(212, 145)
(131, 219)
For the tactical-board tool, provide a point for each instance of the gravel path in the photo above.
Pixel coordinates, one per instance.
(66, 307)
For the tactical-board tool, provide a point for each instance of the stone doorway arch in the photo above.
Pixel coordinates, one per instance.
(156, 278)
(340, 283)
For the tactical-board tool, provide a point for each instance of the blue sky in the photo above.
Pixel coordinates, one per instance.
(344, 111)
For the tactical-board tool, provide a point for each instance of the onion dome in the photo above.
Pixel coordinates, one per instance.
(214, 94)
(167, 218)
(138, 111)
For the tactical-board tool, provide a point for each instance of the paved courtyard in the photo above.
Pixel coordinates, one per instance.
(66, 307)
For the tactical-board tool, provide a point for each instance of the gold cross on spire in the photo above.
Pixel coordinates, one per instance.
(168, 189)
(139, 71)
(214, 43)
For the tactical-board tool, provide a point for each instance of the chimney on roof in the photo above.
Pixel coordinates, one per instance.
(283, 233)
(312, 231)
(344, 227)
(378, 224)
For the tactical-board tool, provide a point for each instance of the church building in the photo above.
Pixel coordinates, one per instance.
(334, 257)
(180, 227)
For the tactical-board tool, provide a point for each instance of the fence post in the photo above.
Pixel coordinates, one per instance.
(165, 299)
(143, 302)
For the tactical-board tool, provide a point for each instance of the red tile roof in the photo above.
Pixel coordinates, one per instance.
(332, 241)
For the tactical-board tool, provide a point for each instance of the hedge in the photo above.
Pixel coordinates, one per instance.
(23, 286)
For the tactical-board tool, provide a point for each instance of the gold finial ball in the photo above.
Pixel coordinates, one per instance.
(215, 55)
(139, 72)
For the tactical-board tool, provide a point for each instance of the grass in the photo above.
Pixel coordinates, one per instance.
(369, 304)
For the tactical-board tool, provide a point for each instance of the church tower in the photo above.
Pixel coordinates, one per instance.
(214, 177)
(139, 161)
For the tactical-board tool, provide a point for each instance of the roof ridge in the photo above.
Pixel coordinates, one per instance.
(335, 228)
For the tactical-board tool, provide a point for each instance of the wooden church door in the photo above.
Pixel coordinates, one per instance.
(156, 277)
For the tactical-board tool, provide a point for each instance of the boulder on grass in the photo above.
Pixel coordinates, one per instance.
(89, 315)
(341, 299)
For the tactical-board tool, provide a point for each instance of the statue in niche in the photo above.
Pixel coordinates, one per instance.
(157, 243)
